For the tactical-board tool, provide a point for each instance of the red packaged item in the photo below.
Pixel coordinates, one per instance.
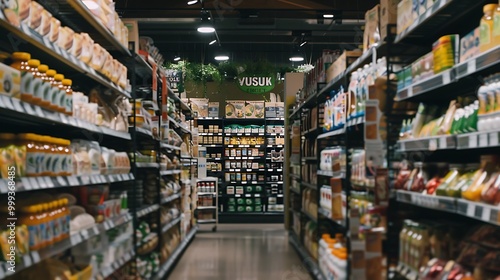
(432, 185)
(403, 176)
(491, 193)
(418, 184)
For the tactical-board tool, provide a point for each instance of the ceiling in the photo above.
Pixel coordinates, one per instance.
(249, 29)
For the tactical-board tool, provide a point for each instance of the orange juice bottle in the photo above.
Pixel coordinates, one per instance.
(486, 28)
(65, 218)
(34, 86)
(21, 63)
(47, 97)
(67, 163)
(57, 220)
(57, 95)
(49, 227)
(69, 96)
(44, 86)
(41, 218)
(28, 218)
(54, 230)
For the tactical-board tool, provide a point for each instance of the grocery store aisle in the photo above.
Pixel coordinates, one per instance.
(241, 252)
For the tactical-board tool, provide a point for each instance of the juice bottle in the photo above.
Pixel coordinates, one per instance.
(21, 63)
(29, 141)
(58, 95)
(28, 218)
(58, 234)
(496, 26)
(34, 86)
(53, 221)
(486, 28)
(44, 85)
(69, 96)
(65, 218)
(56, 164)
(67, 163)
(47, 98)
(42, 221)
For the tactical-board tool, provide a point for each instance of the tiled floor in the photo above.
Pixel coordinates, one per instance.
(241, 252)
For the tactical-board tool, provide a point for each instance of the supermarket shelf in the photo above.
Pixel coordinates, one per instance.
(311, 217)
(276, 182)
(275, 119)
(244, 146)
(356, 121)
(147, 210)
(327, 214)
(35, 257)
(275, 134)
(170, 172)
(245, 134)
(294, 176)
(485, 139)
(148, 238)
(451, 76)
(170, 225)
(309, 185)
(212, 145)
(170, 198)
(309, 262)
(87, 21)
(106, 272)
(65, 59)
(310, 158)
(142, 131)
(179, 125)
(184, 107)
(333, 174)
(209, 119)
(310, 132)
(244, 157)
(306, 104)
(170, 147)
(275, 146)
(147, 165)
(275, 170)
(209, 221)
(206, 193)
(480, 211)
(206, 207)
(336, 132)
(210, 134)
(215, 159)
(246, 170)
(244, 195)
(20, 112)
(44, 183)
(176, 254)
(441, 142)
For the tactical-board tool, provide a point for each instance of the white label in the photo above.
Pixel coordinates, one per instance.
(39, 112)
(432, 144)
(73, 181)
(48, 182)
(486, 214)
(35, 256)
(85, 234)
(40, 183)
(85, 180)
(428, 13)
(76, 239)
(472, 141)
(483, 140)
(63, 118)
(8, 103)
(27, 262)
(471, 66)
(493, 137)
(28, 109)
(61, 181)
(446, 78)
(47, 43)
(442, 142)
(470, 210)
(72, 121)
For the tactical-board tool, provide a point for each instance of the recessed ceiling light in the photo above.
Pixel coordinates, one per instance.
(206, 29)
(221, 57)
(192, 2)
(91, 4)
(328, 15)
(296, 58)
(177, 58)
(212, 42)
(303, 43)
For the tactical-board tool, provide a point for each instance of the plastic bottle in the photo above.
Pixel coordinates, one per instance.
(65, 218)
(32, 153)
(496, 26)
(21, 63)
(69, 96)
(486, 28)
(52, 215)
(47, 94)
(28, 218)
(35, 84)
(44, 85)
(58, 95)
(352, 95)
(48, 156)
(43, 222)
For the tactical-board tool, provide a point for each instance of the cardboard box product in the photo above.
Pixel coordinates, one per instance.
(371, 34)
(10, 81)
(445, 51)
(341, 64)
(270, 108)
(10, 10)
(254, 109)
(388, 15)
(133, 34)
(213, 109)
(235, 109)
(199, 106)
(469, 45)
(280, 109)
(404, 19)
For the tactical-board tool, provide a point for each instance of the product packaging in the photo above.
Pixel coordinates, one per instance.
(371, 34)
(213, 109)
(388, 15)
(270, 109)
(446, 52)
(199, 106)
(235, 109)
(10, 81)
(469, 45)
(404, 18)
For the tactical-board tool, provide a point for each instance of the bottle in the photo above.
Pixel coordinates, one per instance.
(58, 95)
(402, 241)
(69, 96)
(47, 94)
(28, 218)
(337, 208)
(486, 28)
(42, 221)
(52, 214)
(21, 63)
(496, 26)
(44, 86)
(65, 218)
(35, 84)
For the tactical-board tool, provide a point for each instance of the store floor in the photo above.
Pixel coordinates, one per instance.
(240, 252)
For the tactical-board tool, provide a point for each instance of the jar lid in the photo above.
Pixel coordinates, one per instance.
(43, 68)
(51, 72)
(21, 56)
(34, 63)
(67, 82)
(489, 7)
(59, 77)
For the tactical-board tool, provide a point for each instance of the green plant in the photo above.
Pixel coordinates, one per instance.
(228, 69)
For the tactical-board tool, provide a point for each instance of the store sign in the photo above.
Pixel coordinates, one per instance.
(256, 84)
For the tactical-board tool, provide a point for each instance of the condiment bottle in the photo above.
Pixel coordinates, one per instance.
(69, 96)
(21, 63)
(47, 94)
(44, 86)
(58, 97)
(35, 84)
(28, 218)
(486, 28)
(65, 218)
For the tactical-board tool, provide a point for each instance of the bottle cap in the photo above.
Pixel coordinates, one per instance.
(34, 63)
(21, 56)
(59, 77)
(67, 82)
(43, 68)
(51, 73)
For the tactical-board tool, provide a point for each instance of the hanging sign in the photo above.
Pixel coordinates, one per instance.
(256, 84)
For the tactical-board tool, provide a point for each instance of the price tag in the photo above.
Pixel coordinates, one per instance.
(36, 257)
(47, 43)
(257, 195)
(486, 214)
(428, 13)
(39, 112)
(72, 121)
(49, 183)
(254, 182)
(248, 195)
(42, 183)
(33, 183)
(478, 212)
(470, 210)
(3, 186)
(251, 158)
(75, 239)
(446, 77)
(257, 146)
(433, 145)
(483, 140)
(472, 141)
(8, 103)
(28, 109)
(61, 181)
(27, 261)
(63, 118)
(85, 234)
(85, 180)
(244, 182)
(107, 225)
(73, 181)
(442, 143)
(111, 178)
(471, 66)
(230, 146)
(96, 230)
(493, 138)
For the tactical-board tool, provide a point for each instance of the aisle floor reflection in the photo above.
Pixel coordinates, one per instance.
(241, 252)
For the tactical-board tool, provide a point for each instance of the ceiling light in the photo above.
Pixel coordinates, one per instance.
(206, 29)
(296, 58)
(296, 55)
(91, 4)
(212, 42)
(177, 58)
(328, 15)
(221, 57)
(303, 43)
(205, 26)
(192, 2)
